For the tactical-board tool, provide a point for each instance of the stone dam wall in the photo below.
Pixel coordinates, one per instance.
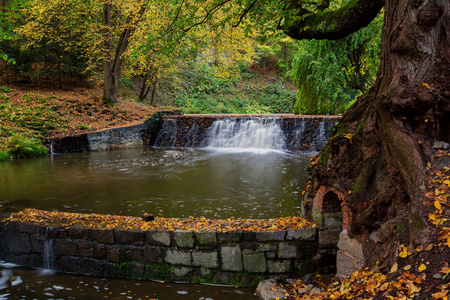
(301, 133)
(172, 129)
(236, 258)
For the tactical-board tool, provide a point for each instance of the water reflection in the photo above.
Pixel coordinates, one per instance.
(24, 283)
(166, 182)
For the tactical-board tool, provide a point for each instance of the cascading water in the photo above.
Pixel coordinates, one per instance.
(48, 252)
(250, 134)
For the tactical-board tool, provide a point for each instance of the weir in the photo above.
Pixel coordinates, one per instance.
(275, 132)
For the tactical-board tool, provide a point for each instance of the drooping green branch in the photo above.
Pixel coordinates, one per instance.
(332, 25)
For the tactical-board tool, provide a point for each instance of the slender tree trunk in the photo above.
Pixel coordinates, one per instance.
(382, 168)
(155, 83)
(112, 69)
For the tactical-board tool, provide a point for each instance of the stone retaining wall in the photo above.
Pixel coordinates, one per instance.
(112, 138)
(237, 258)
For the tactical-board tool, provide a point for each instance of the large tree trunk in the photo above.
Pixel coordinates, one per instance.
(379, 152)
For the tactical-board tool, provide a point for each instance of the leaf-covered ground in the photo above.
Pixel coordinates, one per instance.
(38, 114)
(420, 272)
(63, 219)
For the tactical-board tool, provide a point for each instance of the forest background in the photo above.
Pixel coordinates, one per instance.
(159, 53)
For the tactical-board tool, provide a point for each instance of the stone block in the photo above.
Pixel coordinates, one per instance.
(205, 259)
(328, 238)
(346, 264)
(351, 246)
(229, 237)
(86, 248)
(19, 243)
(279, 266)
(178, 257)
(128, 237)
(134, 254)
(249, 248)
(180, 272)
(255, 263)
(268, 290)
(56, 233)
(183, 239)
(286, 250)
(113, 254)
(77, 233)
(100, 252)
(153, 254)
(231, 258)
(31, 228)
(271, 254)
(302, 234)
(264, 236)
(65, 247)
(104, 236)
(159, 238)
(206, 238)
(333, 219)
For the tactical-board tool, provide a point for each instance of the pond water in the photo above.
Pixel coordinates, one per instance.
(214, 183)
(218, 183)
(24, 283)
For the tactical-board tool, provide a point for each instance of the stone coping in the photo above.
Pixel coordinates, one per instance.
(99, 221)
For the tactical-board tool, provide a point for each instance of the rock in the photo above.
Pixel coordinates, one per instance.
(445, 146)
(438, 145)
(375, 237)
(267, 290)
(175, 257)
(346, 264)
(231, 258)
(351, 246)
(255, 263)
(205, 259)
(183, 238)
(264, 236)
(278, 266)
(437, 276)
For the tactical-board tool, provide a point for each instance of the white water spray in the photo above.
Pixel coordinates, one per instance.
(248, 134)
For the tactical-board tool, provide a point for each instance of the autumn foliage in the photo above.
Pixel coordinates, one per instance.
(63, 219)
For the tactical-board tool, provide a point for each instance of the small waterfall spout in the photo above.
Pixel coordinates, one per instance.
(48, 252)
(254, 133)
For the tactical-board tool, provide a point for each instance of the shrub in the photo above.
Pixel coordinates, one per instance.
(3, 155)
(21, 147)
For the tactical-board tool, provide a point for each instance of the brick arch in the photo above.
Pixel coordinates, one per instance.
(330, 200)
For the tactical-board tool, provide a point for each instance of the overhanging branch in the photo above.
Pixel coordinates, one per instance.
(333, 25)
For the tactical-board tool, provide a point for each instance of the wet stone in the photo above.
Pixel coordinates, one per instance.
(78, 233)
(180, 272)
(86, 248)
(286, 250)
(206, 238)
(231, 258)
(255, 263)
(282, 266)
(303, 234)
(113, 255)
(183, 238)
(134, 254)
(56, 233)
(159, 238)
(176, 257)
(128, 236)
(229, 237)
(65, 247)
(264, 236)
(103, 236)
(205, 259)
(153, 254)
(100, 252)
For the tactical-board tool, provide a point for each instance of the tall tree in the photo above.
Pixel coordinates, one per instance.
(384, 141)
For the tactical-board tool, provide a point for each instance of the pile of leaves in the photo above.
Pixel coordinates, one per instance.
(64, 219)
(420, 272)
(37, 114)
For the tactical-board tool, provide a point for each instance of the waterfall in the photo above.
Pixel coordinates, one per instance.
(48, 251)
(254, 133)
(246, 132)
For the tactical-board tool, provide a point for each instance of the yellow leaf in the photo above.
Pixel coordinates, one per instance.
(407, 267)
(437, 205)
(422, 267)
(447, 182)
(394, 268)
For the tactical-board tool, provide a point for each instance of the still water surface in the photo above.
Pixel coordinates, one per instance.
(214, 183)
(169, 183)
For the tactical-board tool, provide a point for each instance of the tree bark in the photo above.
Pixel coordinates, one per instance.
(112, 69)
(382, 168)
